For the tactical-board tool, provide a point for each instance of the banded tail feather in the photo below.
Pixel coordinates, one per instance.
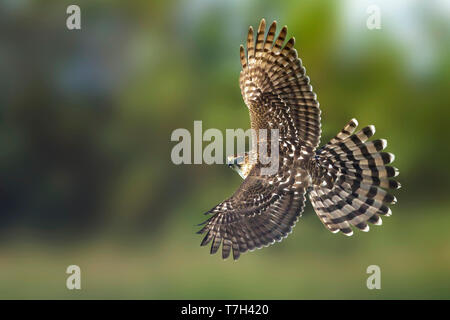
(350, 190)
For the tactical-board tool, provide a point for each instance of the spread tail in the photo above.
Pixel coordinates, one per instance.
(349, 191)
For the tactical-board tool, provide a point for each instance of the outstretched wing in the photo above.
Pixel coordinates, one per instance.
(263, 210)
(276, 89)
(277, 92)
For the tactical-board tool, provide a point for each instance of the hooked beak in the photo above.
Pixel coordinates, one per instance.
(231, 163)
(231, 166)
(234, 162)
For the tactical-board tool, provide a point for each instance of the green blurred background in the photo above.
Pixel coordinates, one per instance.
(85, 171)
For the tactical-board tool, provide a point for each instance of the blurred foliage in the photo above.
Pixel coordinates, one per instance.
(85, 124)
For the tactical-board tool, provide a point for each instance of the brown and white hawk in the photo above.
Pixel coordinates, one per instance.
(346, 179)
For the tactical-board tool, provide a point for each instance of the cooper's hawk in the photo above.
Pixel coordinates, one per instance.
(346, 179)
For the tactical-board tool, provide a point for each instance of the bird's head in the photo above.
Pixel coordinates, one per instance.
(241, 164)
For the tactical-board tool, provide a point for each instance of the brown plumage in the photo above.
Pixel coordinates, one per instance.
(346, 178)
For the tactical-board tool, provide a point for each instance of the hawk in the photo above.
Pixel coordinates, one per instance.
(346, 179)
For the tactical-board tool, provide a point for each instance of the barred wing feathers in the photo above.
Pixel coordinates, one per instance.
(278, 95)
(276, 89)
(259, 213)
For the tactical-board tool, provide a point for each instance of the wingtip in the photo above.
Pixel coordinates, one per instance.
(262, 25)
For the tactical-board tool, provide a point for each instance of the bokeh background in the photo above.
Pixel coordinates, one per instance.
(85, 171)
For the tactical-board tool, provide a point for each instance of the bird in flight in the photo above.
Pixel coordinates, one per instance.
(346, 179)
